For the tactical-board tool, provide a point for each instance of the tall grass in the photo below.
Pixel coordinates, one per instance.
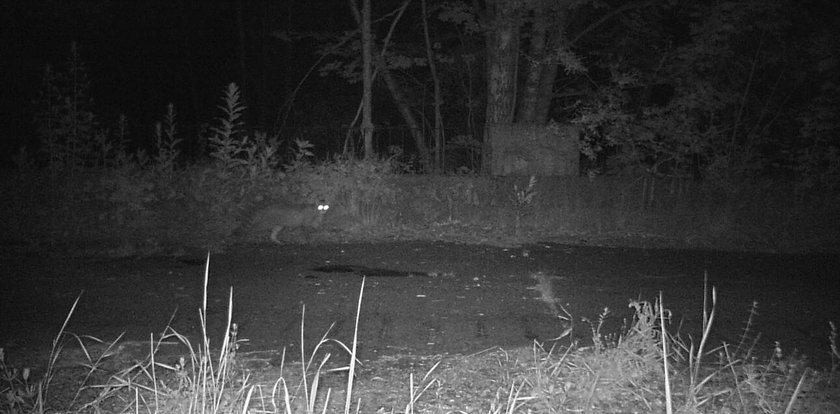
(644, 368)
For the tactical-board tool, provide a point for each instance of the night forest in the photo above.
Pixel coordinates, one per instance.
(702, 88)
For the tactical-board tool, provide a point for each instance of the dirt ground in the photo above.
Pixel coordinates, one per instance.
(420, 298)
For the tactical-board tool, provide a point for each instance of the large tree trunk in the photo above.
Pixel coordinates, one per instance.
(367, 81)
(438, 131)
(395, 88)
(405, 110)
(535, 68)
(502, 57)
(548, 74)
(546, 37)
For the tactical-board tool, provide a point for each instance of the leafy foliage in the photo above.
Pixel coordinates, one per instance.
(718, 100)
(360, 187)
(816, 157)
(238, 154)
(721, 91)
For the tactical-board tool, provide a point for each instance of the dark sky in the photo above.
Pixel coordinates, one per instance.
(141, 55)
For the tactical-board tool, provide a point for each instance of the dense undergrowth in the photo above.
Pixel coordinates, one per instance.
(137, 209)
(83, 190)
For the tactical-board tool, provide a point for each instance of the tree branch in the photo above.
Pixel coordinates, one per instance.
(609, 16)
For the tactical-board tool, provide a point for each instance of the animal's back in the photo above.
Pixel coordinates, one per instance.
(297, 219)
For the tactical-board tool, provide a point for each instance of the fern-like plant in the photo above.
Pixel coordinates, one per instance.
(240, 155)
(226, 146)
(167, 143)
(522, 198)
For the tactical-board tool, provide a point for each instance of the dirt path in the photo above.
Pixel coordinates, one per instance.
(458, 298)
